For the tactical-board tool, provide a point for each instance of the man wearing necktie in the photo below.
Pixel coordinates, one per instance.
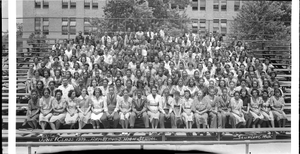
(139, 108)
(165, 107)
(111, 108)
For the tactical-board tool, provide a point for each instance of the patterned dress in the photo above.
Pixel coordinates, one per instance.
(84, 104)
(200, 106)
(125, 104)
(58, 105)
(32, 108)
(236, 106)
(72, 106)
(187, 105)
(267, 113)
(46, 105)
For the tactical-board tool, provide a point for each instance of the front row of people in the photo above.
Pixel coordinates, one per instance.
(210, 111)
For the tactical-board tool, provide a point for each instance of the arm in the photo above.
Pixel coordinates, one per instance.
(160, 107)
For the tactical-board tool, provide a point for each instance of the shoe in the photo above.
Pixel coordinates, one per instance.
(40, 135)
(205, 133)
(104, 134)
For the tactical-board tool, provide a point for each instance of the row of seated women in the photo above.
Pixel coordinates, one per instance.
(205, 111)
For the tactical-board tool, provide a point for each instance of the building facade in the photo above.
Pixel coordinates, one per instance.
(65, 18)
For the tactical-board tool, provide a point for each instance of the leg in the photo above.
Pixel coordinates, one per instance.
(232, 121)
(132, 118)
(104, 120)
(94, 124)
(97, 124)
(219, 120)
(173, 122)
(146, 119)
(213, 122)
(156, 123)
(116, 119)
(30, 124)
(52, 125)
(34, 122)
(57, 124)
(161, 120)
(122, 124)
(222, 120)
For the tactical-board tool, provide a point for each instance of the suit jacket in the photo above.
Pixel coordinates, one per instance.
(139, 106)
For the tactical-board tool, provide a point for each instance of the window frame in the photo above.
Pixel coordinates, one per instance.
(216, 4)
(64, 4)
(37, 4)
(94, 6)
(223, 5)
(45, 4)
(201, 7)
(73, 4)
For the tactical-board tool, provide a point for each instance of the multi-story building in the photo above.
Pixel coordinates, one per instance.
(64, 18)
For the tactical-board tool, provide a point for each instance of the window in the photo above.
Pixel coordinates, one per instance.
(181, 7)
(37, 24)
(65, 25)
(37, 4)
(95, 4)
(73, 4)
(237, 5)
(202, 5)
(46, 26)
(223, 26)
(216, 5)
(45, 4)
(72, 26)
(65, 4)
(195, 5)
(87, 4)
(216, 25)
(194, 25)
(202, 25)
(223, 5)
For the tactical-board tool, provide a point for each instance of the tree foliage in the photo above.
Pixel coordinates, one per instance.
(263, 20)
(124, 14)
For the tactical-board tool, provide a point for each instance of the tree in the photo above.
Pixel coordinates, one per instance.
(124, 14)
(263, 20)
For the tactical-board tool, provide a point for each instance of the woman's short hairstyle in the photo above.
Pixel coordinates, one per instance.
(58, 91)
(277, 90)
(70, 93)
(247, 93)
(33, 91)
(97, 89)
(253, 90)
(46, 89)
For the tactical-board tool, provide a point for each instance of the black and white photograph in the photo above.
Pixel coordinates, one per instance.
(212, 76)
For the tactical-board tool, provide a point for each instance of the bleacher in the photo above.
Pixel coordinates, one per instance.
(280, 57)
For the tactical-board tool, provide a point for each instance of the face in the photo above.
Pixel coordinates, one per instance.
(46, 93)
(65, 82)
(186, 94)
(126, 93)
(255, 93)
(105, 83)
(58, 95)
(236, 95)
(39, 84)
(200, 93)
(34, 95)
(154, 91)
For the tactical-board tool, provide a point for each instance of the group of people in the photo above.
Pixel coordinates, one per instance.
(190, 80)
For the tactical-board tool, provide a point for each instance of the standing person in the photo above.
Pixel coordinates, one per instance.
(59, 111)
(200, 109)
(45, 108)
(255, 105)
(72, 109)
(125, 106)
(84, 108)
(97, 108)
(153, 107)
(165, 108)
(187, 114)
(277, 104)
(177, 110)
(139, 110)
(33, 110)
(236, 105)
(244, 95)
(111, 108)
(266, 109)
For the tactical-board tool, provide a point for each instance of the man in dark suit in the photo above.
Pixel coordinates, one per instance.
(79, 37)
(139, 110)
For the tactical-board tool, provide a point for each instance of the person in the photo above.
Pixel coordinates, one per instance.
(125, 107)
(111, 108)
(33, 110)
(45, 108)
(266, 109)
(255, 105)
(153, 101)
(59, 111)
(200, 109)
(236, 105)
(165, 107)
(224, 109)
(277, 104)
(79, 38)
(213, 114)
(97, 108)
(65, 88)
(139, 110)
(84, 108)
(187, 114)
(177, 110)
(72, 109)
(244, 95)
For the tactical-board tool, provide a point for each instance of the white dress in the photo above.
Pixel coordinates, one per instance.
(98, 105)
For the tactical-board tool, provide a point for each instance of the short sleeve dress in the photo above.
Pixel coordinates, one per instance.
(187, 105)
(58, 105)
(124, 104)
(267, 113)
(254, 104)
(84, 104)
(236, 106)
(199, 105)
(278, 103)
(32, 108)
(98, 105)
(72, 106)
(45, 105)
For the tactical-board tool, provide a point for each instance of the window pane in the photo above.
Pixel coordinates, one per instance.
(236, 5)
(45, 30)
(87, 4)
(202, 4)
(64, 30)
(95, 5)
(37, 3)
(216, 5)
(72, 4)
(87, 30)
(65, 5)
(45, 4)
(72, 30)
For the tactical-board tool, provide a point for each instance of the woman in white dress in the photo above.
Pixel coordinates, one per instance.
(153, 105)
(277, 104)
(45, 108)
(235, 106)
(59, 111)
(97, 108)
(125, 105)
(180, 87)
(84, 108)
(187, 114)
(255, 105)
(266, 109)
(72, 109)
